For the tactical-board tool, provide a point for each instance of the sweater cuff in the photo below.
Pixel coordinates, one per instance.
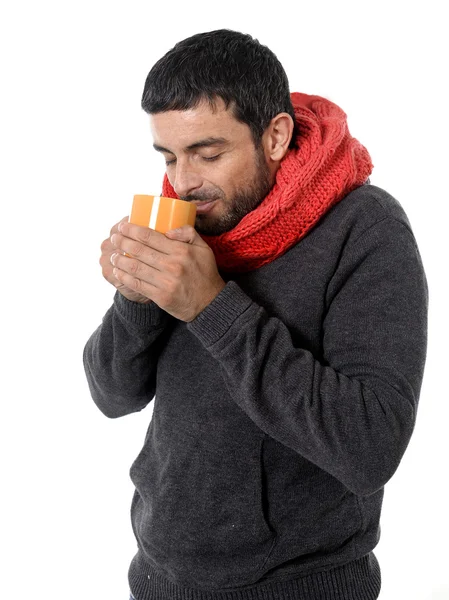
(143, 315)
(218, 316)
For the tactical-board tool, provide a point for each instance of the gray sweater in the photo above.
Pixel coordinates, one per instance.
(280, 413)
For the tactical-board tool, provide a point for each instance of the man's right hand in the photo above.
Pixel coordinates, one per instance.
(107, 250)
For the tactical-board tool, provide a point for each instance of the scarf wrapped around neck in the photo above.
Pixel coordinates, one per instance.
(326, 164)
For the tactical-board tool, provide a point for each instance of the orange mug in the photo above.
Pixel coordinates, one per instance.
(161, 213)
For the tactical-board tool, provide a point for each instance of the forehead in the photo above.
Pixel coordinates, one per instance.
(181, 128)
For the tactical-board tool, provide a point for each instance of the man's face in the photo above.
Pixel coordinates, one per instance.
(210, 155)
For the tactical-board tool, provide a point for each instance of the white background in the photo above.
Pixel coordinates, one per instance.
(75, 148)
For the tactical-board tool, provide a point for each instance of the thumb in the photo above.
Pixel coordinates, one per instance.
(186, 233)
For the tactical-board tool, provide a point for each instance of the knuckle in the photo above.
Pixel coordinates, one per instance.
(135, 248)
(134, 267)
(176, 267)
(137, 285)
(184, 251)
(171, 288)
(179, 269)
(146, 235)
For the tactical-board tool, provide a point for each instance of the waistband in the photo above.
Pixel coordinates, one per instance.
(356, 580)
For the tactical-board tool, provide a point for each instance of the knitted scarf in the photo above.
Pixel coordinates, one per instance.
(326, 164)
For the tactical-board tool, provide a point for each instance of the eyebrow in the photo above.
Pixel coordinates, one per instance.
(210, 141)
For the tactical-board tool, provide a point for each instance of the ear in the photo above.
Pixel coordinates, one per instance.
(277, 136)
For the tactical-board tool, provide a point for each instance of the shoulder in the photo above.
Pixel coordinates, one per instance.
(366, 207)
(375, 203)
(370, 235)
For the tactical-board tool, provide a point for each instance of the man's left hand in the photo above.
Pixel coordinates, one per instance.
(177, 270)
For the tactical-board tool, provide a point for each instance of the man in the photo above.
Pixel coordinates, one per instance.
(283, 339)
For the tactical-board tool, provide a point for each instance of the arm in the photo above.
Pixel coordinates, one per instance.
(353, 413)
(120, 358)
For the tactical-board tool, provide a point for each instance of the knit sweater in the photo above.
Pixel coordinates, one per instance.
(279, 414)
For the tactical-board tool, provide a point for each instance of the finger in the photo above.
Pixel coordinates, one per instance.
(188, 234)
(107, 271)
(144, 288)
(137, 250)
(145, 235)
(115, 227)
(107, 248)
(134, 267)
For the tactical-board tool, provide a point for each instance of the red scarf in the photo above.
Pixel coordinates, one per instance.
(326, 164)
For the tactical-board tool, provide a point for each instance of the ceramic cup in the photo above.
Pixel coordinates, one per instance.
(161, 213)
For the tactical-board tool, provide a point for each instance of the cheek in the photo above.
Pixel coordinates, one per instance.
(236, 175)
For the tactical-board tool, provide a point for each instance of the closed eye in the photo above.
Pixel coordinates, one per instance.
(206, 158)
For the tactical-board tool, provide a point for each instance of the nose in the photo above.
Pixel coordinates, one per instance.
(186, 179)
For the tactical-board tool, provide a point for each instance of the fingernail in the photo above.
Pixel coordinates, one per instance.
(113, 257)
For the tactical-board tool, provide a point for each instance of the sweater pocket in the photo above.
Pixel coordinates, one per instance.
(199, 509)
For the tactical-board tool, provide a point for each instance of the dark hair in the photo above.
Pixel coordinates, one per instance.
(225, 64)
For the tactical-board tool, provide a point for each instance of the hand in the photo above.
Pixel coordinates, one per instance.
(107, 249)
(177, 270)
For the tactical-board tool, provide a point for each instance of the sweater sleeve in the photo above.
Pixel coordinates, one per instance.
(352, 412)
(120, 358)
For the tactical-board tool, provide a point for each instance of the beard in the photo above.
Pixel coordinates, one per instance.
(243, 202)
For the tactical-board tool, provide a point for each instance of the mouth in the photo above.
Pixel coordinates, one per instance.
(203, 206)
